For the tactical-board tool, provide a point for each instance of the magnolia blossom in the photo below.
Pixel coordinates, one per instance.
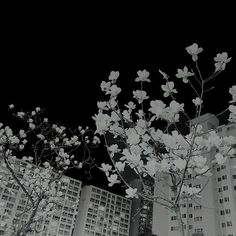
(113, 179)
(220, 159)
(133, 136)
(142, 76)
(184, 74)
(221, 59)
(157, 108)
(131, 192)
(20, 114)
(131, 106)
(134, 159)
(232, 91)
(113, 76)
(140, 95)
(149, 141)
(194, 50)
(102, 122)
(232, 116)
(113, 149)
(106, 168)
(11, 106)
(197, 101)
(168, 89)
(120, 166)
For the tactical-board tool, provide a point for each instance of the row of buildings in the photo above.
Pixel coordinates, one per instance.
(102, 213)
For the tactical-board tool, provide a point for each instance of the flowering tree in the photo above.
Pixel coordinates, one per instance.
(146, 138)
(33, 158)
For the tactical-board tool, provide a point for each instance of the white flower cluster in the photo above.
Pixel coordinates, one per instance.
(148, 150)
(50, 152)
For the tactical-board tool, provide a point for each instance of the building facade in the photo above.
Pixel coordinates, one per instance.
(13, 201)
(214, 214)
(142, 209)
(102, 213)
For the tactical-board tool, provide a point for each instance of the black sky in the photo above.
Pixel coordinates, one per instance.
(57, 61)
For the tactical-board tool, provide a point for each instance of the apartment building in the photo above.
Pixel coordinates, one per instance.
(59, 223)
(102, 213)
(142, 209)
(215, 213)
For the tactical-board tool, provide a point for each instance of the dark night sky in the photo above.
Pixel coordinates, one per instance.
(58, 62)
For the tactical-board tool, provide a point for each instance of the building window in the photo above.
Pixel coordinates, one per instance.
(223, 225)
(227, 211)
(234, 176)
(222, 212)
(197, 207)
(190, 215)
(200, 230)
(224, 177)
(226, 199)
(198, 218)
(220, 190)
(229, 223)
(225, 188)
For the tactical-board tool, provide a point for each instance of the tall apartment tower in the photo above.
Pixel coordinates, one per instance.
(215, 213)
(142, 209)
(59, 223)
(102, 213)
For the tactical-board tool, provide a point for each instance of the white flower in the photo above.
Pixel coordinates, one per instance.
(130, 106)
(20, 114)
(157, 107)
(45, 120)
(133, 158)
(113, 149)
(103, 122)
(114, 76)
(184, 74)
(46, 164)
(220, 159)
(221, 59)
(105, 86)
(32, 126)
(197, 101)
(168, 89)
(140, 95)
(194, 50)
(131, 192)
(11, 106)
(113, 180)
(180, 163)
(232, 109)
(232, 91)
(22, 133)
(120, 166)
(133, 136)
(33, 113)
(106, 168)
(142, 76)
(114, 90)
(37, 109)
(102, 105)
